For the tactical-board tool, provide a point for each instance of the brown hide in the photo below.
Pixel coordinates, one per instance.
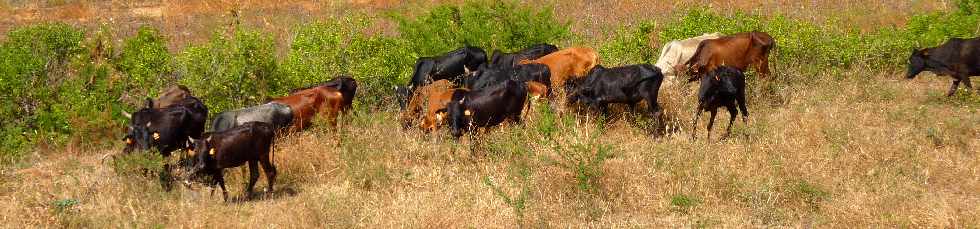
(565, 64)
(417, 105)
(171, 95)
(323, 102)
(740, 51)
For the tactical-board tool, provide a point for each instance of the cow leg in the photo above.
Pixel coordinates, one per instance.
(732, 112)
(253, 176)
(165, 179)
(952, 88)
(711, 121)
(966, 82)
(219, 178)
(694, 126)
(270, 173)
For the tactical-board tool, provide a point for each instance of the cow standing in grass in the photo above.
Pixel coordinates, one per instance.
(723, 87)
(957, 58)
(740, 51)
(250, 143)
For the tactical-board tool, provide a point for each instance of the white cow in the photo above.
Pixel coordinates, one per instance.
(678, 52)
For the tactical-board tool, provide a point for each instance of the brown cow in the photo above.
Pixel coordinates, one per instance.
(418, 103)
(171, 95)
(435, 113)
(739, 50)
(323, 102)
(566, 64)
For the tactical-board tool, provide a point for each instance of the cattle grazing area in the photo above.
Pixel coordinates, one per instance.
(490, 114)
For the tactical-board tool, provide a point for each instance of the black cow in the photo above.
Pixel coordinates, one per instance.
(452, 66)
(723, 87)
(491, 75)
(626, 84)
(250, 143)
(277, 114)
(166, 129)
(530, 53)
(957, 58)
(486, 107)
(346, 84)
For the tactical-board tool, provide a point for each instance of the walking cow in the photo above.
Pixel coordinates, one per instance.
(957, 58)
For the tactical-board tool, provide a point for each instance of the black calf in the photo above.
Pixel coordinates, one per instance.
(723, 87)
(249, 143)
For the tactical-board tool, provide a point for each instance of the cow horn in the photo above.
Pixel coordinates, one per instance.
(127, 115)
(466, 70)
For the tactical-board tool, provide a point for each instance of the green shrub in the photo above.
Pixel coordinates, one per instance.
(231, 71)
(503, 25)
(146, 63)
(323, 50)
(33, 65)
(630, 45)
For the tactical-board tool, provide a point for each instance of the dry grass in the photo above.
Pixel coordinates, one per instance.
(836, 149)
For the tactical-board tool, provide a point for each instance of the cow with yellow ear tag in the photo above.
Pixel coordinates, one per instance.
(250, 143)
(486, 107)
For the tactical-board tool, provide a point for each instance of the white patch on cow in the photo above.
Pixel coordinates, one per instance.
(148, 124)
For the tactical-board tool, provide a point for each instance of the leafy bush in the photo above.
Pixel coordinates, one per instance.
(34, 64)
(146, 62)
(231, 71)
(503, 25)
(629, 46)
(322, 50)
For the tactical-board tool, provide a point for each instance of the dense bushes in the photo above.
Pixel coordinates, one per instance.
(231, 70)
(503, 25)
(146, 63)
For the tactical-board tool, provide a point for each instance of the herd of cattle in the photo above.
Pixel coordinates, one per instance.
(464, 89)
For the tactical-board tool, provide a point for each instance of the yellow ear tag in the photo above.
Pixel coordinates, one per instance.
(467, 112)
(439, 116)
(190, 152)
(129, 141)
(156, 136)
(211, 152)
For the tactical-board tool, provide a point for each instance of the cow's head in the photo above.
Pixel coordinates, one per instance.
(917, 62)
(141, 134)
(197, 158)
(460, 116)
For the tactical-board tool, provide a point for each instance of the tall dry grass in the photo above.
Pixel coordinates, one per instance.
(834, 148)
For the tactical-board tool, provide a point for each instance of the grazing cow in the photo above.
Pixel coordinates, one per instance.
(422, 100)
(277, 114)
(723, 87)
(739, 51)
(566, 64)
(250, 143)
(486, 107)
(171, 96)
(536, 90)
(347, 85)
(677, 52)
(323, 102)
(166, 129)
(435, 113)
(452, 66)
(501, 59)
(626, 84)
(957, 58)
